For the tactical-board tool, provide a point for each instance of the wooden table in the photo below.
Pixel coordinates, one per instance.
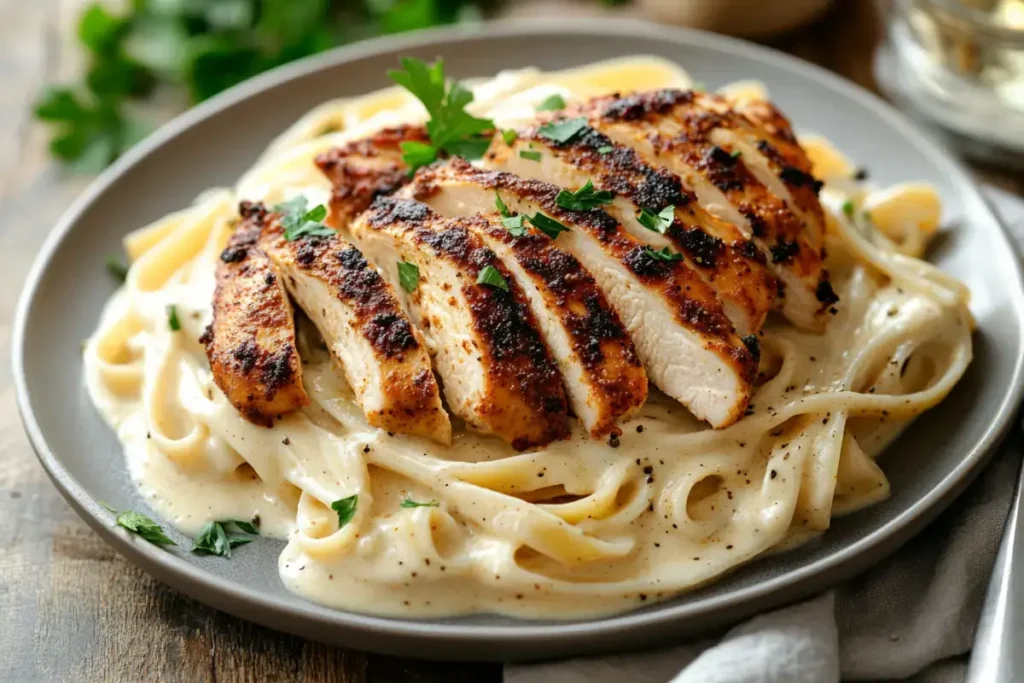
(72, 609)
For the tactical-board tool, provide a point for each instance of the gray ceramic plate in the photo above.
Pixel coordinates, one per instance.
(212, 144)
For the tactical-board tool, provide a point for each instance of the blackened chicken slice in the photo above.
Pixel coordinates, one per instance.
(603, 376)
(364, 169)
(713, 149)
(381, 354)
(496, 372)
(251, 341)
(682, 335)
(730, 263)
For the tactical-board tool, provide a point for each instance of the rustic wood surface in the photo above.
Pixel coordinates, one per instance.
(72, 609)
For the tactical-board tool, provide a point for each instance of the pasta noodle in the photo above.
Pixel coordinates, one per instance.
(577, 528)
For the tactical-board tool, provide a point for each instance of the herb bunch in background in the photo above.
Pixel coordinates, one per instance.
(202, 47)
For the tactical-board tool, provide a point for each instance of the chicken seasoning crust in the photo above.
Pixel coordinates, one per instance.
(535, 345)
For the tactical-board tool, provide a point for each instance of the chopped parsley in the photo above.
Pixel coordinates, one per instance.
(214, 538)
(663, 254)
(299, 222)
(563, 131)
(512, 222)
(410, 503)
(531, 155)
(172, 318)
(848, 209)
(451, 128)
(547, 225)
(552, 103)
(143, 526)
(604, 149)
(658, 222)
(736, 154)
(492, 277)
(117, 270)
(584, 198)
(509, 136)
(408, 276)
(346, 509)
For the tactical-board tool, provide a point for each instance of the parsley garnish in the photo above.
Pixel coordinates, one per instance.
(509, 136)
(563, 131)
(491, 276)
(512, 222)
(604, 149)
(664, 254)
(848, 209)
(214, 538)
(584, 198)
(532, 156)
(409, 503)
(552, 103)
(116, 269)
(145, 527)
(736, 154)
(408, 276)
(298, 222)
(172, 318)
(451, 128)
(547, 225)
(658, 222)
(416, 154)
(346, 509)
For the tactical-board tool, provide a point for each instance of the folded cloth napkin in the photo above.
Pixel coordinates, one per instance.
(912, 617)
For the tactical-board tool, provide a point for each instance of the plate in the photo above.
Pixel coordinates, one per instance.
(214, 143)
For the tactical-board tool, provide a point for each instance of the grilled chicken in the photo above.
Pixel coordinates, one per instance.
(496, 371)
(381, 354)
(741, 169)
(603, 376)
(251, 341)
(365, 169)
(715, 249)
(682, 334)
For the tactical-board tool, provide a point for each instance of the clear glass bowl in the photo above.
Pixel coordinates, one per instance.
(960, 65)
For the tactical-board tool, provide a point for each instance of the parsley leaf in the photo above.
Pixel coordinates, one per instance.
(172, 318)
(531, 155)
(658, 222)
(250, 527)
(736, 154)
(584, 198)
(214, 539)
(409, 503)
(298, 222)
(547, 225)
(552, 103)
(491, 276)
(143, 526)
(416, 154)
(346, 509)
(604, 149)
(117, 270)
(848, 209)
(509, 136)
(408, 276)
(513, 223)
(563, 131)
(664, 254)
(451, 128)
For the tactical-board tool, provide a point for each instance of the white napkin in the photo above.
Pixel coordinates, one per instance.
(912, 617)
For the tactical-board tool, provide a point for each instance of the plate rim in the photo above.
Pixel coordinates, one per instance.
(420, 636)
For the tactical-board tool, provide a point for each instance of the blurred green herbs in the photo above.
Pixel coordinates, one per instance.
(203, 47)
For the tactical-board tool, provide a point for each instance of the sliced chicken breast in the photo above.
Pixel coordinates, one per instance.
(496, 371)
(365, 169)
(717, 250)
(251, 341)
(381, 354)
(716, 152)
(682, 335)
(603, 376)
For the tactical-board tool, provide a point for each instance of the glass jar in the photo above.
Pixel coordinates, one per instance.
(960, 64)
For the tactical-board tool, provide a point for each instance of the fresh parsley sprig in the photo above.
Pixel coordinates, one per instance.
(346, 509)
(408, 276)
(142, 526)
(492, 277)
(214, 538)
(658, 222)
(298, 221)
(410, 503)
(512, 222)
(663, 254)
(547, 225)
(452, 130)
